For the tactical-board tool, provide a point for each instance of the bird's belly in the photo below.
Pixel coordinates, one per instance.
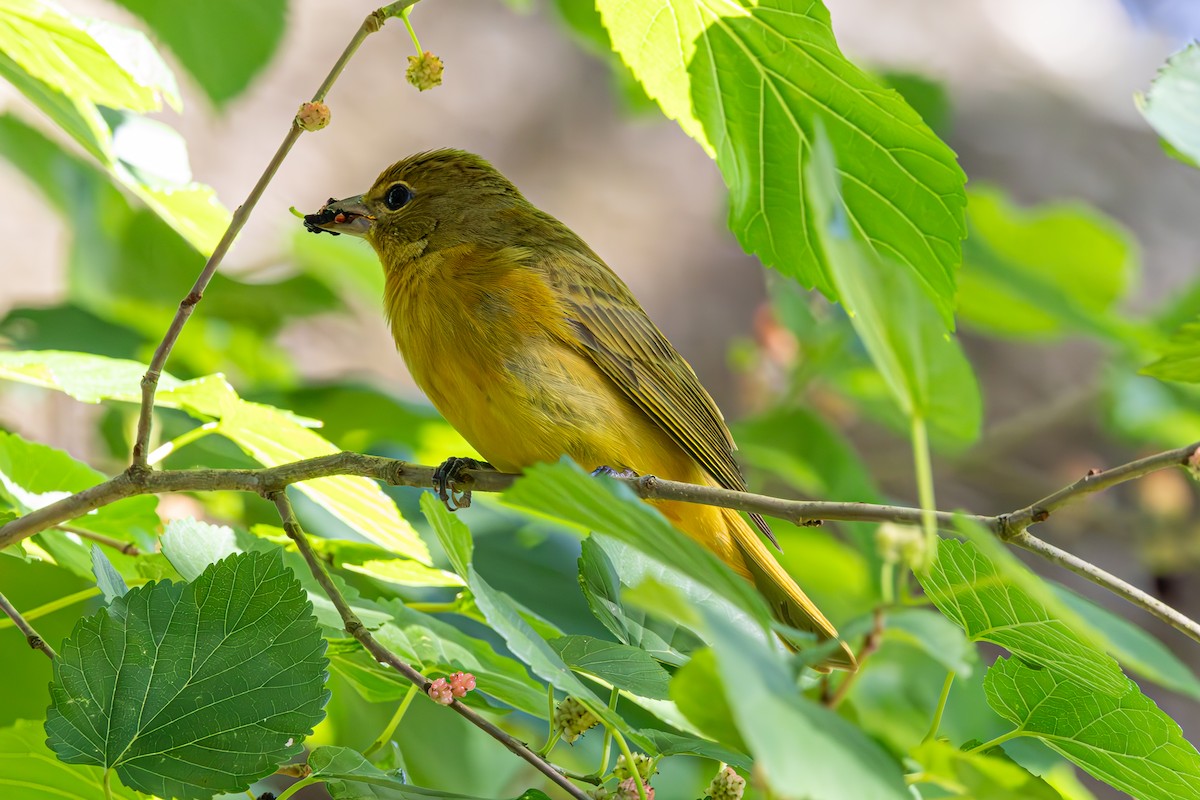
(543, 403)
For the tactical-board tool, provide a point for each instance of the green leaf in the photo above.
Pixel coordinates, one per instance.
(970, 590)
(85, 377)
(121, 142)
(248, 35)
(697, 691)
(776, 722)
(376, 562)
(1125, 741)
(1170, 105)
(664, 640)
(110, 582)
(1180, 359)
(454, 536)
(1041, 272)
(187, 689)
(666, 743)
(752, 82)
(192, 546)
(30, 773)
(1131, 645)
(628, 668)
(79, 119)
(61, 51)
(975, 776)
(932, 633)
(564, 493)
(925, 369)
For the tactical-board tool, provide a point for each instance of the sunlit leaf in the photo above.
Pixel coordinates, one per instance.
(969, 589)
(752, 82)
(1125, 741)
(1170, 106)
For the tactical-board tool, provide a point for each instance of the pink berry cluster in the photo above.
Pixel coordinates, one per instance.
(446, 690)
(425, 71)
(727, 785)
(626, 790)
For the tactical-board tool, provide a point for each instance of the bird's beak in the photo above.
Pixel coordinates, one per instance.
(341, 216)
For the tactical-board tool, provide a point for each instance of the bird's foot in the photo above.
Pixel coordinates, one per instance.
(614, 473)
(452, 484)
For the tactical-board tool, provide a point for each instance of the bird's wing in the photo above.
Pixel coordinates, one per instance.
(613, 330)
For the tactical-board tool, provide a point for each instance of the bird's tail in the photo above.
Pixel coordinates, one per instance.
(787, 601)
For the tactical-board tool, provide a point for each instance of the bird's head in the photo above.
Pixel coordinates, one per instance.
(427, 202)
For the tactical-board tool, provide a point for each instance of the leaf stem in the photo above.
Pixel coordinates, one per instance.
(55, 605)
(924, 474)
(999, 740)
(411, 31)
(128, 548)
(34, 639)
(385, 735)
(180, 441)
(552, 735)
(633, 769)
(434, 608)
(606, 751)
(108, 784)
(297, 786)
(941, 707)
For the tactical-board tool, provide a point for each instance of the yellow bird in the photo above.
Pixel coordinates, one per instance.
(532, 348)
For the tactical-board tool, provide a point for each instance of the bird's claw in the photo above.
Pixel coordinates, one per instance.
(614, 473)
(452, 484)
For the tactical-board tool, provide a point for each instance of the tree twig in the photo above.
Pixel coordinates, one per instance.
(373, 22)
(1010, 527)
(355, 628)
(128, 548)
(1086, 569)
(32, 636)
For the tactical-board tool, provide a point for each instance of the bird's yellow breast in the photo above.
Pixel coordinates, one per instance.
(484, 341)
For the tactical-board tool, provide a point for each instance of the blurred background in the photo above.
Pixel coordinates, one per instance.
(1036, 98)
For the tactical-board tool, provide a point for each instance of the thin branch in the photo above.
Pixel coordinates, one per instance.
(128, 548)
(355, 628)
(32, 636)
(1088, 570)
(158, 362)
(1009, 527)
(1018, 521)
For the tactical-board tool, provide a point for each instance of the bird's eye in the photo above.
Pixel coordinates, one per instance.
(397, 196)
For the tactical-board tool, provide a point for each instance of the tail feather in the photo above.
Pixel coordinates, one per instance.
(788, 602)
